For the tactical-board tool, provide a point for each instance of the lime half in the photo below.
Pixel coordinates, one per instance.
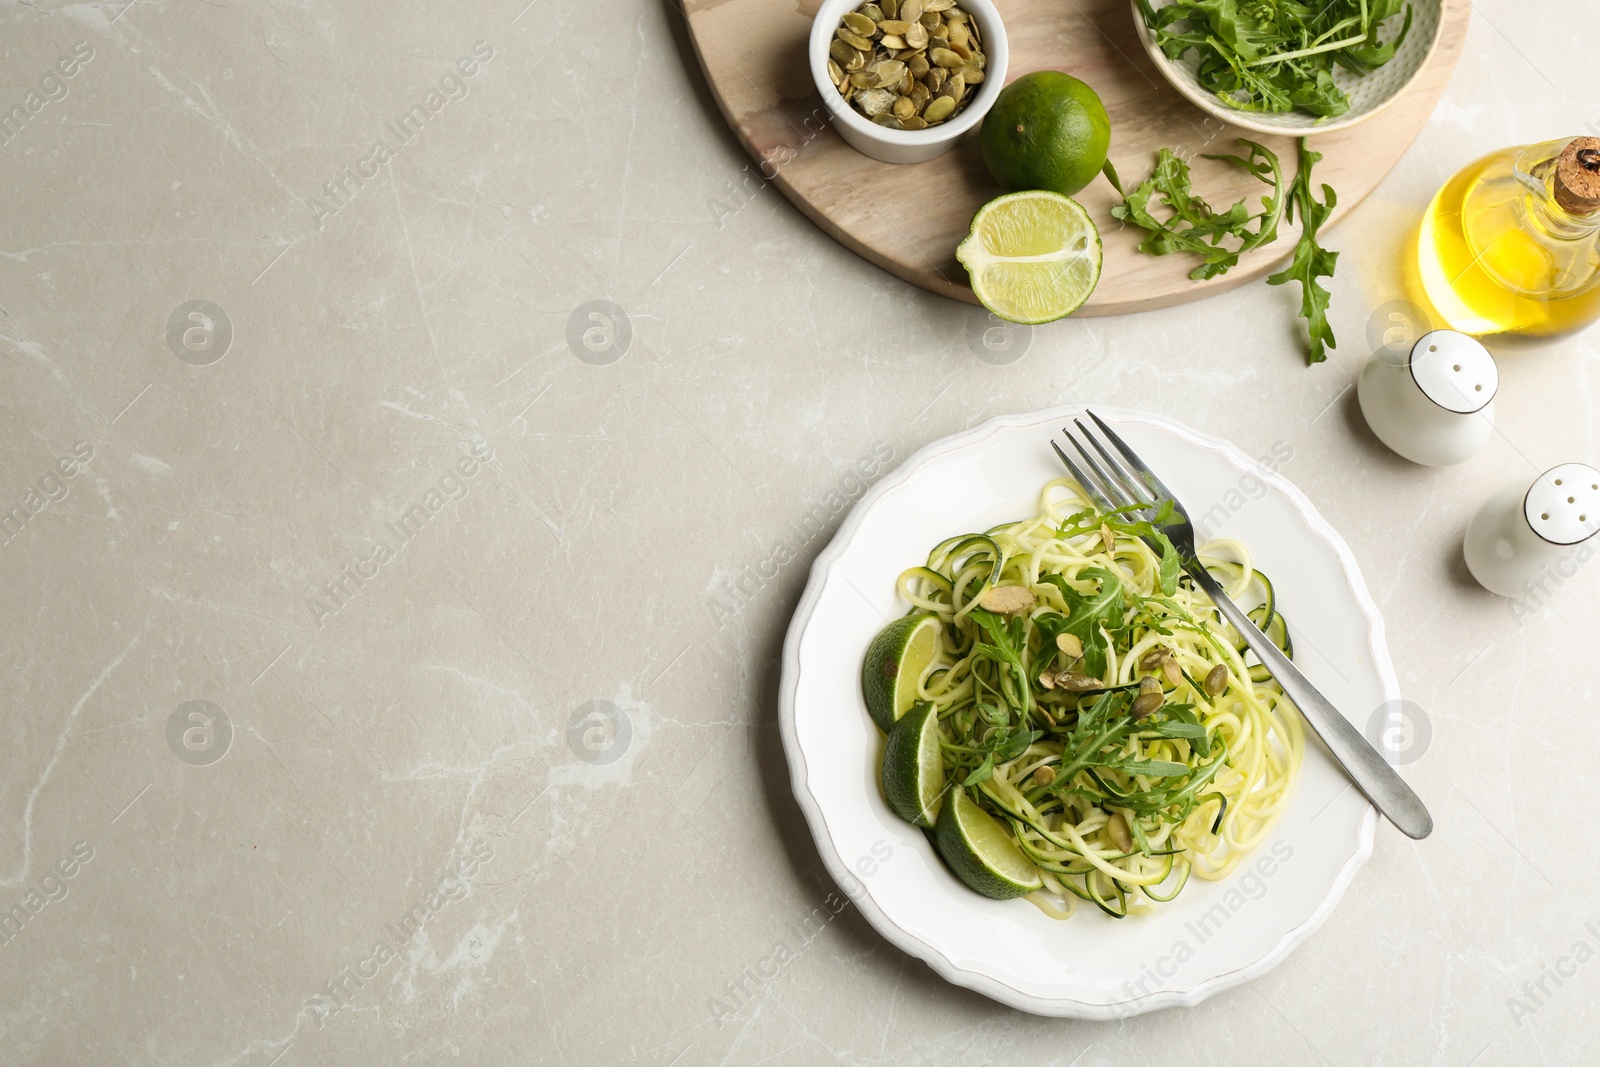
(895, 663)
(913, 766)
(980, 851)
(1033, 256)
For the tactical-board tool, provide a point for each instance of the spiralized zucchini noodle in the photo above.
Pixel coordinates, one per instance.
(1116, 799)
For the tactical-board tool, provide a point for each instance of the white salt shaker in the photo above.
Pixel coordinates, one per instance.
(1521, 532)
(1434, 406)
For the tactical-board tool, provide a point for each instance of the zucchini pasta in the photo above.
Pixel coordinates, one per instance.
(1090, 700)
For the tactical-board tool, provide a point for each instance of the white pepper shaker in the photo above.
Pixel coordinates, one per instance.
(1521, 532)
(1434, 406)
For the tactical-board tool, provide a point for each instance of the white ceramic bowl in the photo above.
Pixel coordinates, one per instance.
(1368, 95)
(908, 146)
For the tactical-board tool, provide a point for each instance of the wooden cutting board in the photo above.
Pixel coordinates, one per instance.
(908, 219)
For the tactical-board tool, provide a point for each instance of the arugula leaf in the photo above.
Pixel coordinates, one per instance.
(1366, 58)
(1166, 514)
(1007, 640)
(1193, 225)
(1150, 768)
(1090, 615)
(1188, 730)
(1169, 567)
(1311, 261)
(984, 772)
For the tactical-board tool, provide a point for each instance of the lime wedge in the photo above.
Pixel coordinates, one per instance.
(981, 852)
(913, 767)
(895, 663)
(1032, 256)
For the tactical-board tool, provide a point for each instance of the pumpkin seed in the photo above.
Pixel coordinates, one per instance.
(853, 40)
(1216, 680)
(1007, 600)
(906, 64)
(1148, 684)
(886, 73)
(1145, 704)
(1046, 775)
(938, 109)
(874, 102)
(1174, 673)
(1072, 681)
(1117, 830)
(1152, 659)
(860, 25)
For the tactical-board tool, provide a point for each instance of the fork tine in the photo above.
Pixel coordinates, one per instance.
(1115, 494)
(1134, 485)
(1135, 464)
(1084, 480)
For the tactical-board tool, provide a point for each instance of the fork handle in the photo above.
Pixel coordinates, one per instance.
(1372, 774)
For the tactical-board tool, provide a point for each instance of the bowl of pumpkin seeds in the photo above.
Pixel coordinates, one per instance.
(904, 79)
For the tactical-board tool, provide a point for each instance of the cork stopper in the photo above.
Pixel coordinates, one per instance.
(1577, 182)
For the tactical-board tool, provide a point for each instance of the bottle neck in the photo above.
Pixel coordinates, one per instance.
(1537, 171)
(1545, 212)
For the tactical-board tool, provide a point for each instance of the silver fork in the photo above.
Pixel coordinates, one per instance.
(1125, 482)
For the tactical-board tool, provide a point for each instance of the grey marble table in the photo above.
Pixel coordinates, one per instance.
(418, 424)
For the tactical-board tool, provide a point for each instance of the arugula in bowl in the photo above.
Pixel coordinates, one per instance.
(1278, 55)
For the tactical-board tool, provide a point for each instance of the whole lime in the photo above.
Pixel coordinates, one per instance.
(1047, 130)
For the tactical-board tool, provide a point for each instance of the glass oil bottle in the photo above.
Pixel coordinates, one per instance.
(1510, 246)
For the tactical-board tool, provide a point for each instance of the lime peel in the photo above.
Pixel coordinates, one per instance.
(981, 852)
(895, 663)
(913, 766)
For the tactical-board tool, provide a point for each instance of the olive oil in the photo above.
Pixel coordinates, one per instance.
(1510, 246)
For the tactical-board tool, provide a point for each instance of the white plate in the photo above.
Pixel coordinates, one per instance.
(1216, 934)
